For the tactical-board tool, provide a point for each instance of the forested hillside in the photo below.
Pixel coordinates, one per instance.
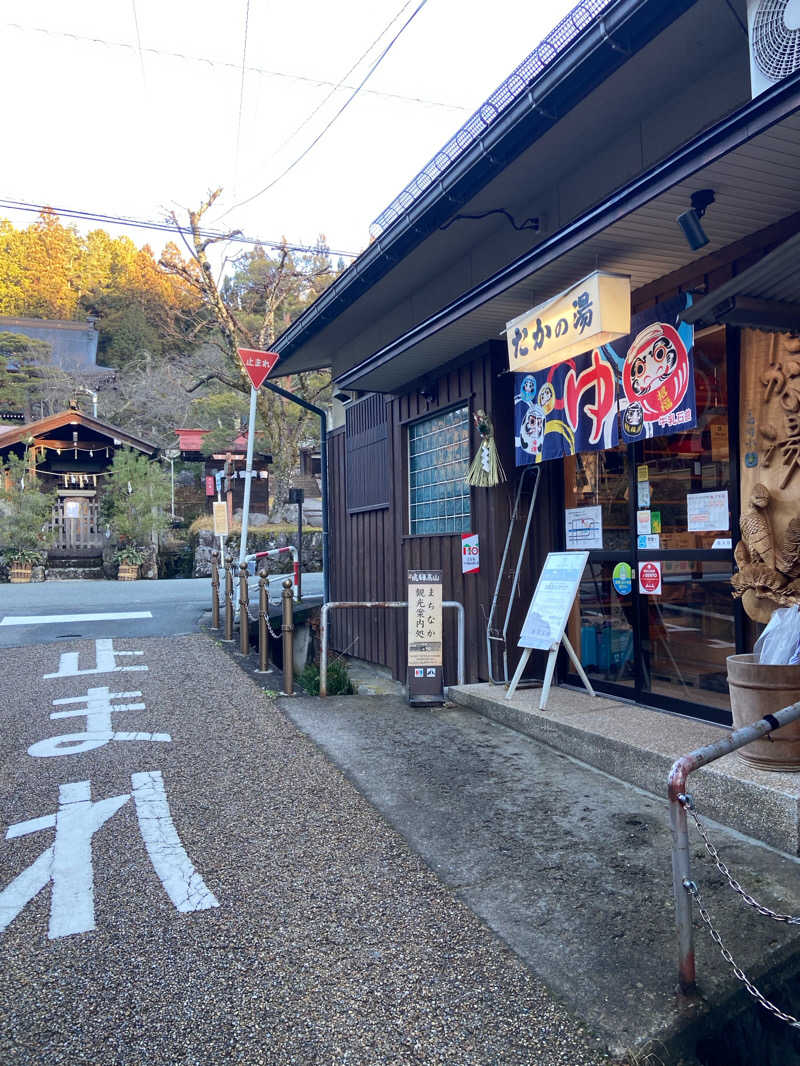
(167, 324)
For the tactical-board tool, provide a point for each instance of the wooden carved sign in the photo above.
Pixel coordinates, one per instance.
(768, 555)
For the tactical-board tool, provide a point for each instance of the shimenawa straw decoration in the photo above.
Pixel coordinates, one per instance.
(486, 468)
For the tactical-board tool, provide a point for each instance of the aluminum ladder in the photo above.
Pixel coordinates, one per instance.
(496, 635)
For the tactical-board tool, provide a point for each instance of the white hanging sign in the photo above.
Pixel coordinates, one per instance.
(592, 313)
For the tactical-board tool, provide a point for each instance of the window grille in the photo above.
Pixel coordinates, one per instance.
(438, 460)
(368, 474)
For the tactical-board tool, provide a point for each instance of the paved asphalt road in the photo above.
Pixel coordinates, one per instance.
(59, 610)
(187, 880)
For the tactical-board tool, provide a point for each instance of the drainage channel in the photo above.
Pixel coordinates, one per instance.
(753, 1037)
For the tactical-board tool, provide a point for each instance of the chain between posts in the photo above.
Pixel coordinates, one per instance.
(691, 888)
(244, 611)
(263, 613)
(228, 602)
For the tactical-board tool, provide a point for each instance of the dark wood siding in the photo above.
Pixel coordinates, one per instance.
(371, 551)
(367, 454)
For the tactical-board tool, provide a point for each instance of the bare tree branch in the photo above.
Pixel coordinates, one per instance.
(215, 376)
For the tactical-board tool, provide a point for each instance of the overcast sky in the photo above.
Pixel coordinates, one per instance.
(132, 107)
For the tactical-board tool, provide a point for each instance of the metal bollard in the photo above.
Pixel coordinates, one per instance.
(263, 643)
(228, 602)
(288, 638)
(244, 615)
(215, 590)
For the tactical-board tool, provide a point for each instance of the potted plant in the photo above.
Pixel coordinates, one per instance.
(25, 519)
(135, 505)
(21, 562)
(768, 578)
(130, 557)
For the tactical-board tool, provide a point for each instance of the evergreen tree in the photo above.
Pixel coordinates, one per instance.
(25, 513)
(136, 498)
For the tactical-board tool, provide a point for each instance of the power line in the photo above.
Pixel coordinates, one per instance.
(164, 227)
(342, 80)
(139, 43)
(224, 64)
(325, 129)
(241, 95)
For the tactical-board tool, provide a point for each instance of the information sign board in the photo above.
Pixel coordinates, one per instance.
(425, 661)
(584, 526)
(220, 518)
(470, 553)
(544, 624)
(552, 600)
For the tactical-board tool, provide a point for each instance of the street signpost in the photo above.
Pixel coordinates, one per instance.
(257, 366)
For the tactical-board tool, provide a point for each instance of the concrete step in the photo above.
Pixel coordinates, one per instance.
(638, 745)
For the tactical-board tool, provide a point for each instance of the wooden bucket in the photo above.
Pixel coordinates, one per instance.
(20, 573)
(757, 690)
(127, 572)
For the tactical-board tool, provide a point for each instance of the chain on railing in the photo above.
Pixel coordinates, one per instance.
(677, 791)
(790, 919)
(263, 612)
(691, 888)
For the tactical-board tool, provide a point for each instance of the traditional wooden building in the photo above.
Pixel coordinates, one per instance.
(655, 142)
(72, 453)
(193, 449)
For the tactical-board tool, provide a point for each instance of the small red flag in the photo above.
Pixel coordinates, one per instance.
(257, 364)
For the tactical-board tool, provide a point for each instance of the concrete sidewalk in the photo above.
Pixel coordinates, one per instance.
(568, 865)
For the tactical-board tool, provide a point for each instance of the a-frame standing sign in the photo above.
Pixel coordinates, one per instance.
(543, 628)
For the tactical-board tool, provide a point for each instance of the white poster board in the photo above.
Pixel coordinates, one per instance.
(584, 527)
(552, 600)
(707, 511)
(544, 624)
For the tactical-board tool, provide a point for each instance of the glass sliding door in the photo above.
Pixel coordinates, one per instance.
(655, 618)
(601, 626)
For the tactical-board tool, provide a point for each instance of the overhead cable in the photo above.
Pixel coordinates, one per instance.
(139, 44)
(341, 83)
(338, 114)
(225, 64)
(241, 94)
(166, 227)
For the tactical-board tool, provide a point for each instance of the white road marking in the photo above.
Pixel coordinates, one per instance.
(78, 819)
(105, 657)
(52, 619)
(97, 709)
(67, 863)
(182, 883)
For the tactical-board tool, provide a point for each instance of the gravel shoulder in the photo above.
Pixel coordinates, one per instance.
(333, 941)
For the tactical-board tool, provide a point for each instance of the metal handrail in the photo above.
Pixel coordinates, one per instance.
(272, 552)
(323, 625)
(681, 874)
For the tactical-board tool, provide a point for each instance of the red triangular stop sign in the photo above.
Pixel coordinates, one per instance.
(257, 364)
